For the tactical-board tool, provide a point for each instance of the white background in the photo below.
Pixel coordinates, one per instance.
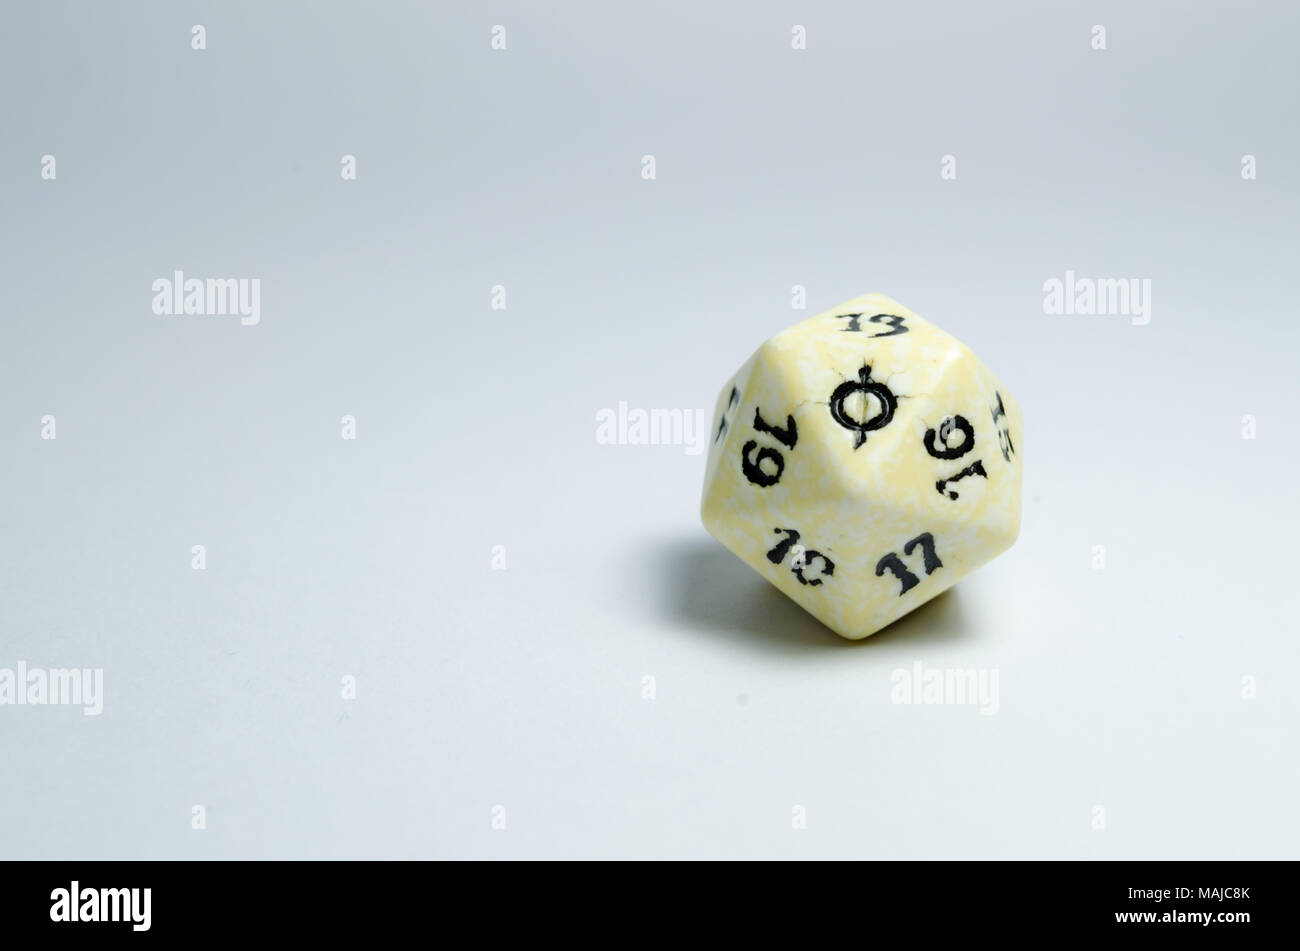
(1120, 687)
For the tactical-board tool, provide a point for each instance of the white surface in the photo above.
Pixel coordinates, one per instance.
(523, 688)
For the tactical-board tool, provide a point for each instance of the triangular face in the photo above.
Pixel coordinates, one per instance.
(863, 460)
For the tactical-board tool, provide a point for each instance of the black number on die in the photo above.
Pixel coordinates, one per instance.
(1004, 435)
(936, 441)
(936, 444)
(778, 553)
(893, 321)
(751, 466)
(895, 565)
(722, 423)
(976, 468)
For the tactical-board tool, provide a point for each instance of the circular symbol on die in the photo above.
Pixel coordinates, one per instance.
(873, 416)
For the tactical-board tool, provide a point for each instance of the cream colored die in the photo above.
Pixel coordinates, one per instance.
(863, 461)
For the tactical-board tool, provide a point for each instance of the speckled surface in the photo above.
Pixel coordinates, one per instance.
(854, 477)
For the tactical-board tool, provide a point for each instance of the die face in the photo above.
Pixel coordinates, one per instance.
(726, 411)
(864, 461)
